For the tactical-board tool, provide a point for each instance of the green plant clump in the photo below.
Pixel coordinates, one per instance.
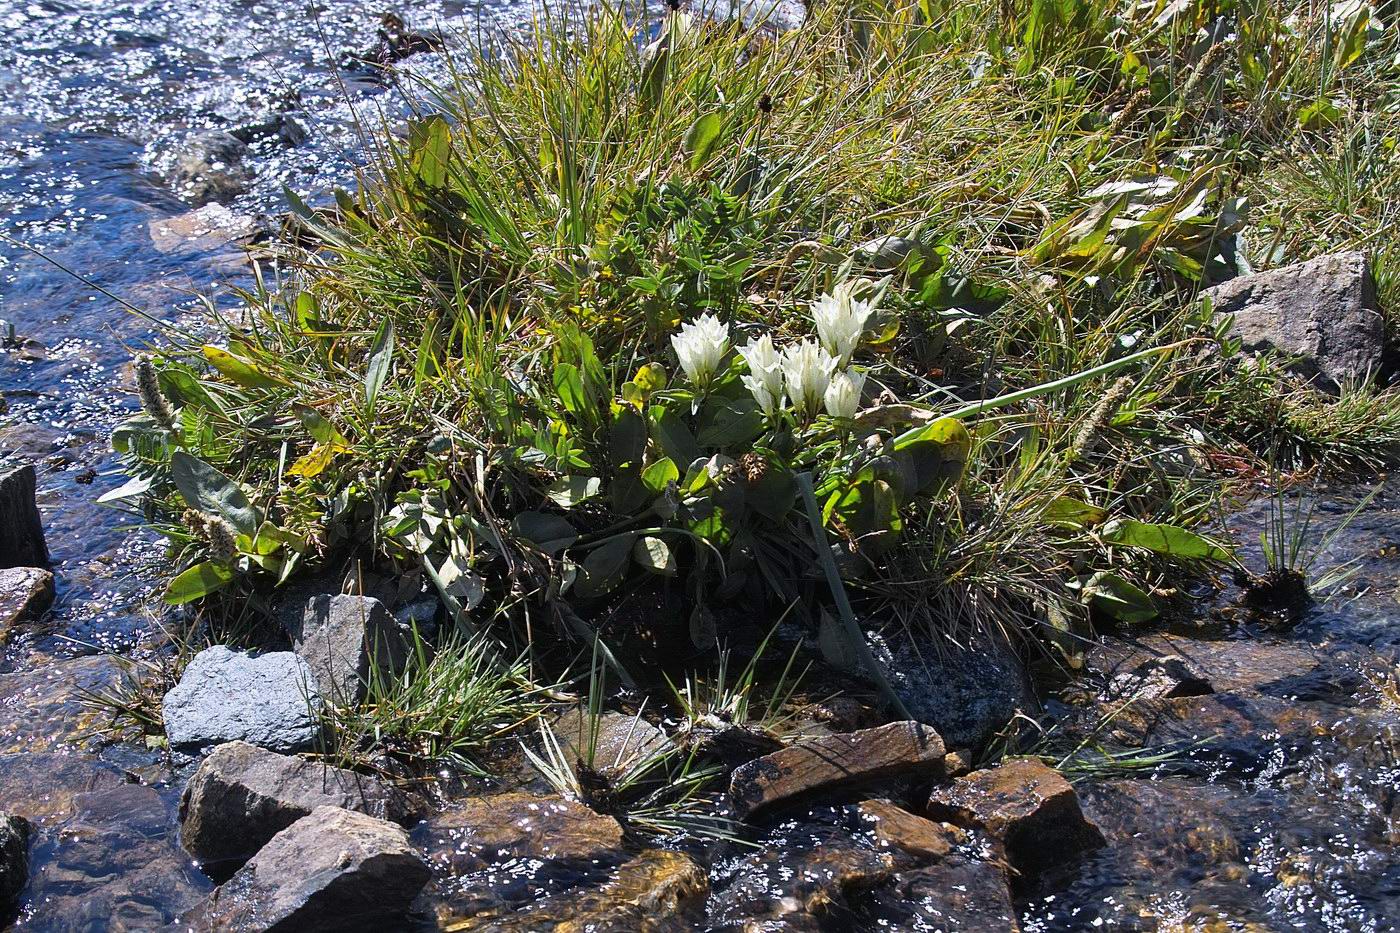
(586, 331)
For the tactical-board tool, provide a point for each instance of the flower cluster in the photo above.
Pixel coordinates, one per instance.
(811, 375)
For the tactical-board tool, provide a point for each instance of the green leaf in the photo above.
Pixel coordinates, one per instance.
(604, 567)
(197, 582)
(136, 486)
(569, 491)
(549, 533)
(655, 555)
(430, 145)
(674, 438)
(727, 423)
(1073, 513)
(206, 489)
(318, 427)
(701, 138)
(1112, 595)
(934, 457)
(659, 474)
(1163, 539)
(380, 356)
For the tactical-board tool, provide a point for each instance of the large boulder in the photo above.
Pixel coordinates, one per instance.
(1026, 804)
(25, 594)
(1323, 313)
(341, 638)
(21, 530)
(333, 870)
(242, 795)
(269, 700)
(14, 860)
(833, 762)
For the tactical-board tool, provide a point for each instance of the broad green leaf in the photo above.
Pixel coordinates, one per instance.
(671, 433)
(208, 490)
(659, 474)
(1163, 539)
(549, 533)
(726, 423)
(651, 378)
(604, 567)
(701, 138)
(655, 555)
(381, 355)
(197, 582)
(430, 145)
(1112, 595)
(836, 647)
(318, 427)
(1064, 510)
(934, 457)
(569, 491)
(238, 370)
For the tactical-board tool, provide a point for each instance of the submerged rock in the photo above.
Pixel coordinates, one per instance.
(956, 893)
(342, 638)
(243, 795)
(21, 529)
(334, 870)
(25, 594)
(209, 167)
(14, 860)
(44, 709)
(1323, 312)
(268, 700)
(1027, 805)
(897, 828)
(832, 762)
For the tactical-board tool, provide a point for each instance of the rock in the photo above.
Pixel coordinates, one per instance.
(62, 779)
(341, 638)
(21, 529)
(334, 870)
(1025, 804)
(226, 696)
(1322, 312)
(211, 228)
(25, 594)
(44, 709)
(836, 761)
(209, 167)
(618, 742)
(955, 893)
(243, 795)
(1164, 666)
(14, 860)
(897, 828)
(967, 693)
(480, 832)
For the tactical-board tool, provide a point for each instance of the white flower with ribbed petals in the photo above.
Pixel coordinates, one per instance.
(841, 321)
(807, 371)
(701, 346)
(765, 378)
(842, 394)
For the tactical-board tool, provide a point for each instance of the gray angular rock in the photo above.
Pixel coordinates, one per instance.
(21, 530)
(14, 859)
(967, 693)
(25, 593)
(618, 741)
(341, 638)
(241, 796)
(1323, 312)
(333, 870)
(269, 700)
(831, 762)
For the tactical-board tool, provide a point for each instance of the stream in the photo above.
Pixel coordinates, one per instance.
(1276, 807)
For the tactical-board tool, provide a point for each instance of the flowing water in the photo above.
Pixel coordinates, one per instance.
(1287, 820)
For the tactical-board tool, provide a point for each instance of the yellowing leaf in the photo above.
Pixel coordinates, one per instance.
(238, 370)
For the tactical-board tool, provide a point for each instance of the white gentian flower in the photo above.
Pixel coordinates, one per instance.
(807, 370)
(765, 379)
(701, 346)
(841, 321)
(842, 396)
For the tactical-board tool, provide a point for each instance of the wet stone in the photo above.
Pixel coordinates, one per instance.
(14, 860)
(43, 709)
(268, 700)
(619, 741)
(897, 828)
(21, 529)
(333, 870)
(211, 229)
(341, 638)
(241, 796)
(25, 594)
(1027, 805)
(209, 167)
(959, 892)
(497, 852)
(967, 693)
(835, 762)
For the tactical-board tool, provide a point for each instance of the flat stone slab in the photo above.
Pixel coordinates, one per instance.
(1026, 804)
(897, 828)
(25, 594)
(474, 834)
(242, 795)
(333, 871)
(830, 762)
(268, 700)
(1323, 312)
